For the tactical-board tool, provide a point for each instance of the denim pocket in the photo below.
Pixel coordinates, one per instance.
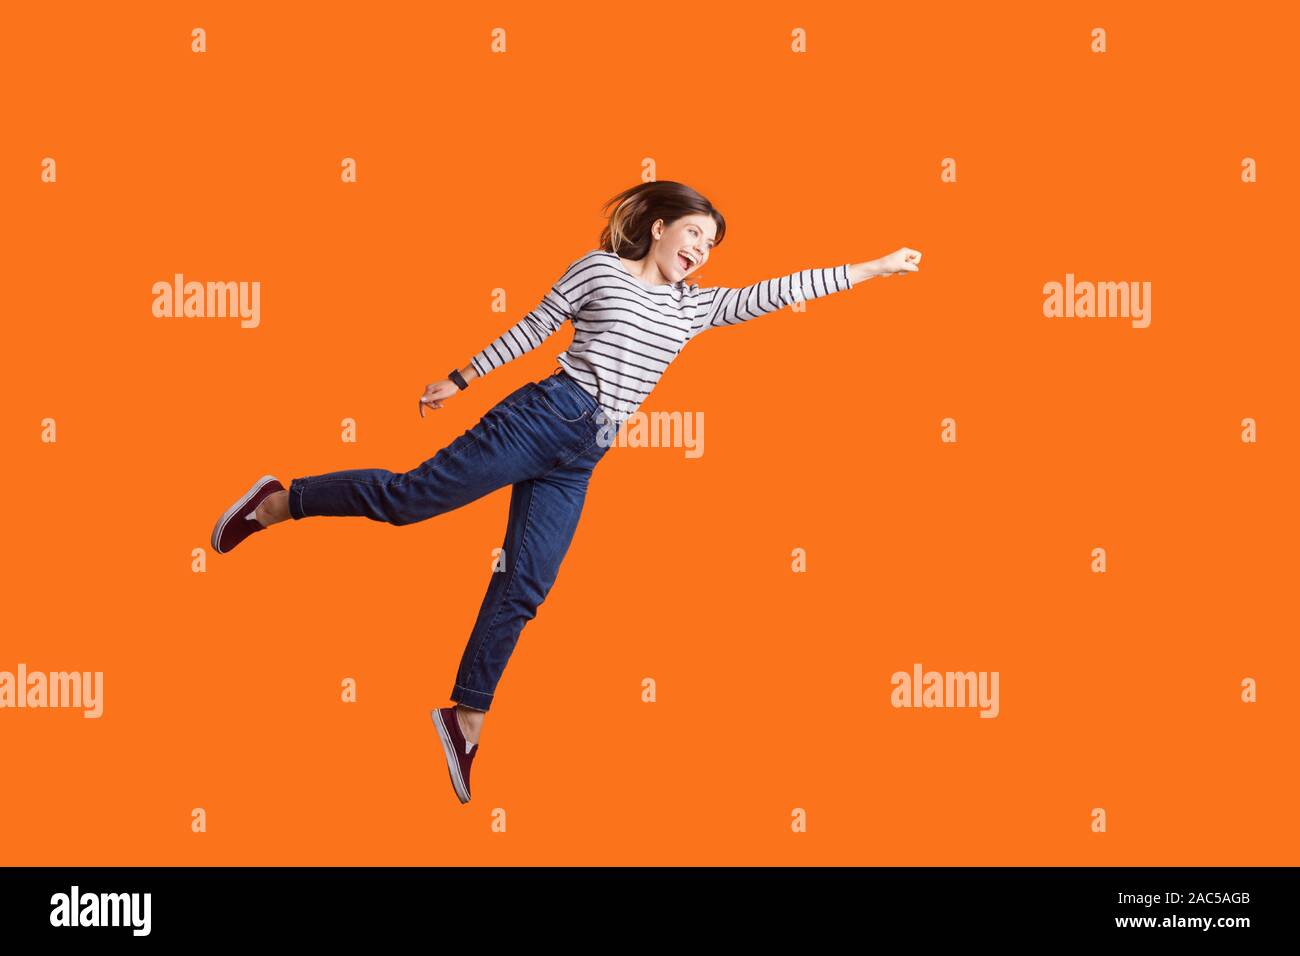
(560, 401)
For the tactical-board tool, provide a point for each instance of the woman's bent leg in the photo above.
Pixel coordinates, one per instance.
(503, 448)
(455, 476)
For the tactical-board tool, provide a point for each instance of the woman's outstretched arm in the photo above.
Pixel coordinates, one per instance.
(728, 306)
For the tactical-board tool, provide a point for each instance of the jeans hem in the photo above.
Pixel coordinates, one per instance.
(477, 699)
(295, 500)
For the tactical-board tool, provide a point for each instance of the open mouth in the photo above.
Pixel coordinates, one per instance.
(684, 262)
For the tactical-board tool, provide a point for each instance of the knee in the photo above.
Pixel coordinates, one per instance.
(396, 504)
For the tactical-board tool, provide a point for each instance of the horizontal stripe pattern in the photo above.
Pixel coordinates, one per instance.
(626, 334)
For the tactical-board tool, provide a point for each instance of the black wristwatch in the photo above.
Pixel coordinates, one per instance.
(459, 379)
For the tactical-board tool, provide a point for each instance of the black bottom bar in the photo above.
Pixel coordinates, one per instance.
(477, 905)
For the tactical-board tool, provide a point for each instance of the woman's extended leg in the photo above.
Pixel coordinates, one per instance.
(544, 514)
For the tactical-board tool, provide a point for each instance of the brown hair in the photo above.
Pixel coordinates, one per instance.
(628, 231)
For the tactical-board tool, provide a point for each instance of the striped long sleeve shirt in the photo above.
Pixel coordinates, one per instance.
(626, 332)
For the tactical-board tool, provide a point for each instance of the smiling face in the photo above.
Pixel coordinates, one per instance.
(683, 247)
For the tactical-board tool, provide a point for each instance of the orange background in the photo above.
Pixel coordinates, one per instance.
(479, 170)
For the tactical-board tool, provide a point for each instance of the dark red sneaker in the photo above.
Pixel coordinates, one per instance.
(239, 521)
(459, 755)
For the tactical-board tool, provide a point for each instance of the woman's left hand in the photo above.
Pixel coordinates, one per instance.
(903, 261)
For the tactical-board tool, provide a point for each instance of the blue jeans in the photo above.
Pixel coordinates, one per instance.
(543, 439)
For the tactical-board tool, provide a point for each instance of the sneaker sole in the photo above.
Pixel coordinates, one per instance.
(449, 751)
(235, 508)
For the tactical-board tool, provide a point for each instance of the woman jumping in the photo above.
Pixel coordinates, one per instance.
(632, 314)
